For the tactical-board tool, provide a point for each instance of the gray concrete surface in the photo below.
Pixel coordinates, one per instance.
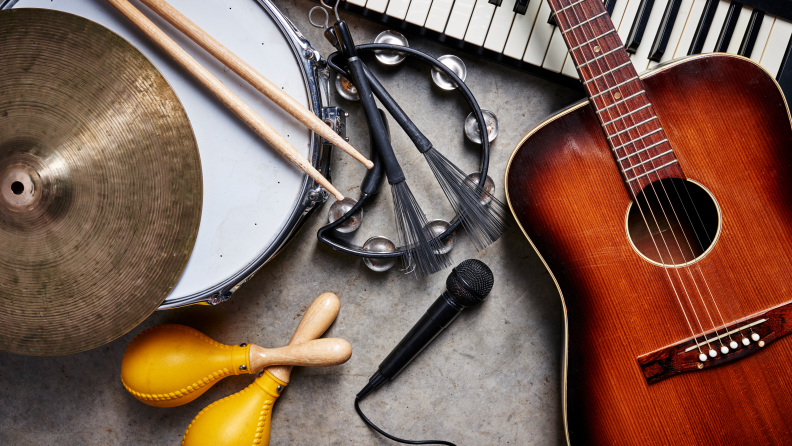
(491, 379)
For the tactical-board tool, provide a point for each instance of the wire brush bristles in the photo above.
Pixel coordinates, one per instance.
(484, 216)
(422, 248)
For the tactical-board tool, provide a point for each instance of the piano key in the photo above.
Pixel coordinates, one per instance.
(630, 13)
(398, 8)
(683, 21)
(777, 44)
(610, 5)
(703, 27)
(495, 2)
(438, 15)
(479, 23)
(418, 11)
(500, 27)
(739, 30)
(521, 6)
(761, 38)
(552, 19)
(751, 33)
(521, 31)
(556, 52)
(727, 30)
(618, 12)
(540, 37)
(377, 5)
(784, 77)
(717, 24)
(357, 2)
(459, 18)
(569, 68)
(641, 57)
(639, 25)
(667, 25)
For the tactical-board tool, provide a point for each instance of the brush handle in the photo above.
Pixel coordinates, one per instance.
(315, 353)
(372, 181)
(418, 138)
(376, 126)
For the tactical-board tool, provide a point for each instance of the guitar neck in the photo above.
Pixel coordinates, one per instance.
(617, 95)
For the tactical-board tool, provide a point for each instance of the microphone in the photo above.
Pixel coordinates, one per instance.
(467, 286)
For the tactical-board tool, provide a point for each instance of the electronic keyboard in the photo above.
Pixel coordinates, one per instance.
(522, 33)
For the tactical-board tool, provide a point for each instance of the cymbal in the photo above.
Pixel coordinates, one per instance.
(100, 184)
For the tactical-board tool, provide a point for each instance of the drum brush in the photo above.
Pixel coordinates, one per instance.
(244, 418)
(171, 365)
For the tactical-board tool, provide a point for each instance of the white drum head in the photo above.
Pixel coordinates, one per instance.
(250, 190)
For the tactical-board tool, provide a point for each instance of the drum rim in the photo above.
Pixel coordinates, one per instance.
(307, 59)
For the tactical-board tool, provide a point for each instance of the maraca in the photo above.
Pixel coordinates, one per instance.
(244, 417)
(171, 365)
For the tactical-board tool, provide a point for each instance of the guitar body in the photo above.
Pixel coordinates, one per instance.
(729, 126)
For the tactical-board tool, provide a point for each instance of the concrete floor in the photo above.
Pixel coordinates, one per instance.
(492, 378)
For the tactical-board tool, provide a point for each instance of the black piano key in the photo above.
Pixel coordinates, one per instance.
(728, 27)
(610, 5)
(703, 27)
(639, 26)
(784, 76)
(749, 39)
(664, 33)
(552, 20)
(495, 2)
(520, 6)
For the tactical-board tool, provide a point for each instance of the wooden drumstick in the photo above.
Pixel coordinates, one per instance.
(222, 93)
(253, 77)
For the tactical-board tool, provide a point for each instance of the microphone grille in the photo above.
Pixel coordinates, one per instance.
(470, 282)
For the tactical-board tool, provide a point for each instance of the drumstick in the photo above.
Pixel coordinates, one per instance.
(222, 93)
(253, 77)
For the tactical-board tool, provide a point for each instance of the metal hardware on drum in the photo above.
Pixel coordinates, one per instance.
(472, 129)
(456, 65)
(392, 38)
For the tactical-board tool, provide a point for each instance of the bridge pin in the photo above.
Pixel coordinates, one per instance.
(713, 353)
(746, 341)
(734, 345)
(724, 349)
(755, 337)
(702, 357)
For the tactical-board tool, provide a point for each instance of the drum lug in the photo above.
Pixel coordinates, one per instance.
(336, 119)
(219, 298)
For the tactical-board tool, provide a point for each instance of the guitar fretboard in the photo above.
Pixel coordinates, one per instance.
(634, 133)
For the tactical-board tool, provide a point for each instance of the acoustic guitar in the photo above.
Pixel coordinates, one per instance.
(662, 207)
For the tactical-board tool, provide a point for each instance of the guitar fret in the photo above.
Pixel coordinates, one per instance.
(595, 38)
(600, 57)
(615, 86)
(627, 114)
(652, 171)
(608, 72)
(569, 6)
(585, 21)
(634, 126)
(642, 150)
(621, 101)
(647, 161)
(636, 139)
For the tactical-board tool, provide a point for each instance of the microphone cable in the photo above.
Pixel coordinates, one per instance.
(400, 440)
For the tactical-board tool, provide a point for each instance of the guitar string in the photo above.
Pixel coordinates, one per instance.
(643, 216)
(656, 172)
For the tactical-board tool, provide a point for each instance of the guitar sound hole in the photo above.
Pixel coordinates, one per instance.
(676, 222)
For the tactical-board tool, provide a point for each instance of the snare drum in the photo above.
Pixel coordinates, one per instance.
(253, 199)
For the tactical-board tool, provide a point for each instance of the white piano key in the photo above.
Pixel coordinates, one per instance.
(438, 15)
(776, 46)
(569, 68)
(715, 29)
(641, 57)
(398, 8)
(500, 26)
(540, 37)
(417, 12)
(676, 32)
(459, 18)
(556, 52)
(521, 31)
(377, 5)
(630, 13)
(479, 22)
(761, 38)
(739, 30)
(618, 12)
(357, 2)
(693, 19)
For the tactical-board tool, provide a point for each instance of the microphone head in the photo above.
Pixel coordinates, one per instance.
(470, 282)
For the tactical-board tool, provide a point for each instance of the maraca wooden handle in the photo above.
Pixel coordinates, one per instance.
(253, 77)
(229, 99)
(315, 353)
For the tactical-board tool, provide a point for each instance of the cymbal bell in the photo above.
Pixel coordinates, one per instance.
(100, 184)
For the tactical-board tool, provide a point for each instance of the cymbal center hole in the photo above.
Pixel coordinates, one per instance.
(17, 187)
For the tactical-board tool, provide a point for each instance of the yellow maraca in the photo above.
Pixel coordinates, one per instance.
(243, 419)
(171, 365)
